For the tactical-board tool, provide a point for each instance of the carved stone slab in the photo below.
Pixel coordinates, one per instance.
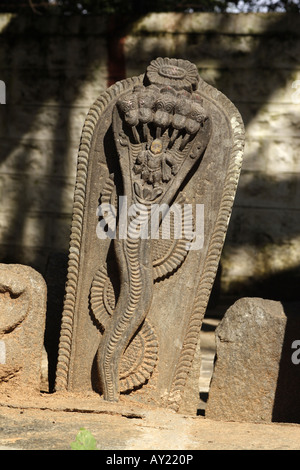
(23, 297)
(158, 167)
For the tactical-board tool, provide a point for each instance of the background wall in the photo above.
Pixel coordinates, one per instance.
(55, 67)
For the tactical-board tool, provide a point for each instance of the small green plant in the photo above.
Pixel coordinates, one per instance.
(84, 441)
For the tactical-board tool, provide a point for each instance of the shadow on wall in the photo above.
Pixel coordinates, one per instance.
(255, 68)
(54, 68)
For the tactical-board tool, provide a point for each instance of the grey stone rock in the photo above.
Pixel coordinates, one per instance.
(22, 323)
(255, 378)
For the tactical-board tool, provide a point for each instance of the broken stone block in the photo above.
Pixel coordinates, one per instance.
(22, 322)
(256, 377)
(158, 168)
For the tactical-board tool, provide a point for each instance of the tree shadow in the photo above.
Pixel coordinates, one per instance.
(45, 69)
(47, 63)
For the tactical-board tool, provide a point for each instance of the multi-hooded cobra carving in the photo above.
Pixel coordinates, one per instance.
(161, 130)
(135, 299)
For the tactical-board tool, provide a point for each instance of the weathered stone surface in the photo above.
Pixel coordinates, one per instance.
(52, 423)
(250, 23)
(22, 322)
(255, 378)
(133, 311)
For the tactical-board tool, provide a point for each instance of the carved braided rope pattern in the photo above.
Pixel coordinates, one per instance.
(214, 251)
(132, 245)
(65, 342)
(132, 250)
(139, 358)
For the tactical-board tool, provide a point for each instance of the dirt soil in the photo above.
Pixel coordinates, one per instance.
(44, 421)
(51, 422)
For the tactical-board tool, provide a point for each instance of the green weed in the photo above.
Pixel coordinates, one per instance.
(84, 441)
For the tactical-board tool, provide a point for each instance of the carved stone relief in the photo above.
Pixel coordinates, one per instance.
(22, 323)
(158, 152)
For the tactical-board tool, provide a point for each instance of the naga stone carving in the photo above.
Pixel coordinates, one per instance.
(158, 167)
(23, 297)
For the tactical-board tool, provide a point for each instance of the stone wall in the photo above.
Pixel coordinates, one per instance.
(55, 67)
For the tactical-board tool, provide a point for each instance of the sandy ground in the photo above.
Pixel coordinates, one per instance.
(48, 424)
(52, 421)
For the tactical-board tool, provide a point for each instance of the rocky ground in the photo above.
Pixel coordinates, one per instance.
(44, 426)
(50, 422)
